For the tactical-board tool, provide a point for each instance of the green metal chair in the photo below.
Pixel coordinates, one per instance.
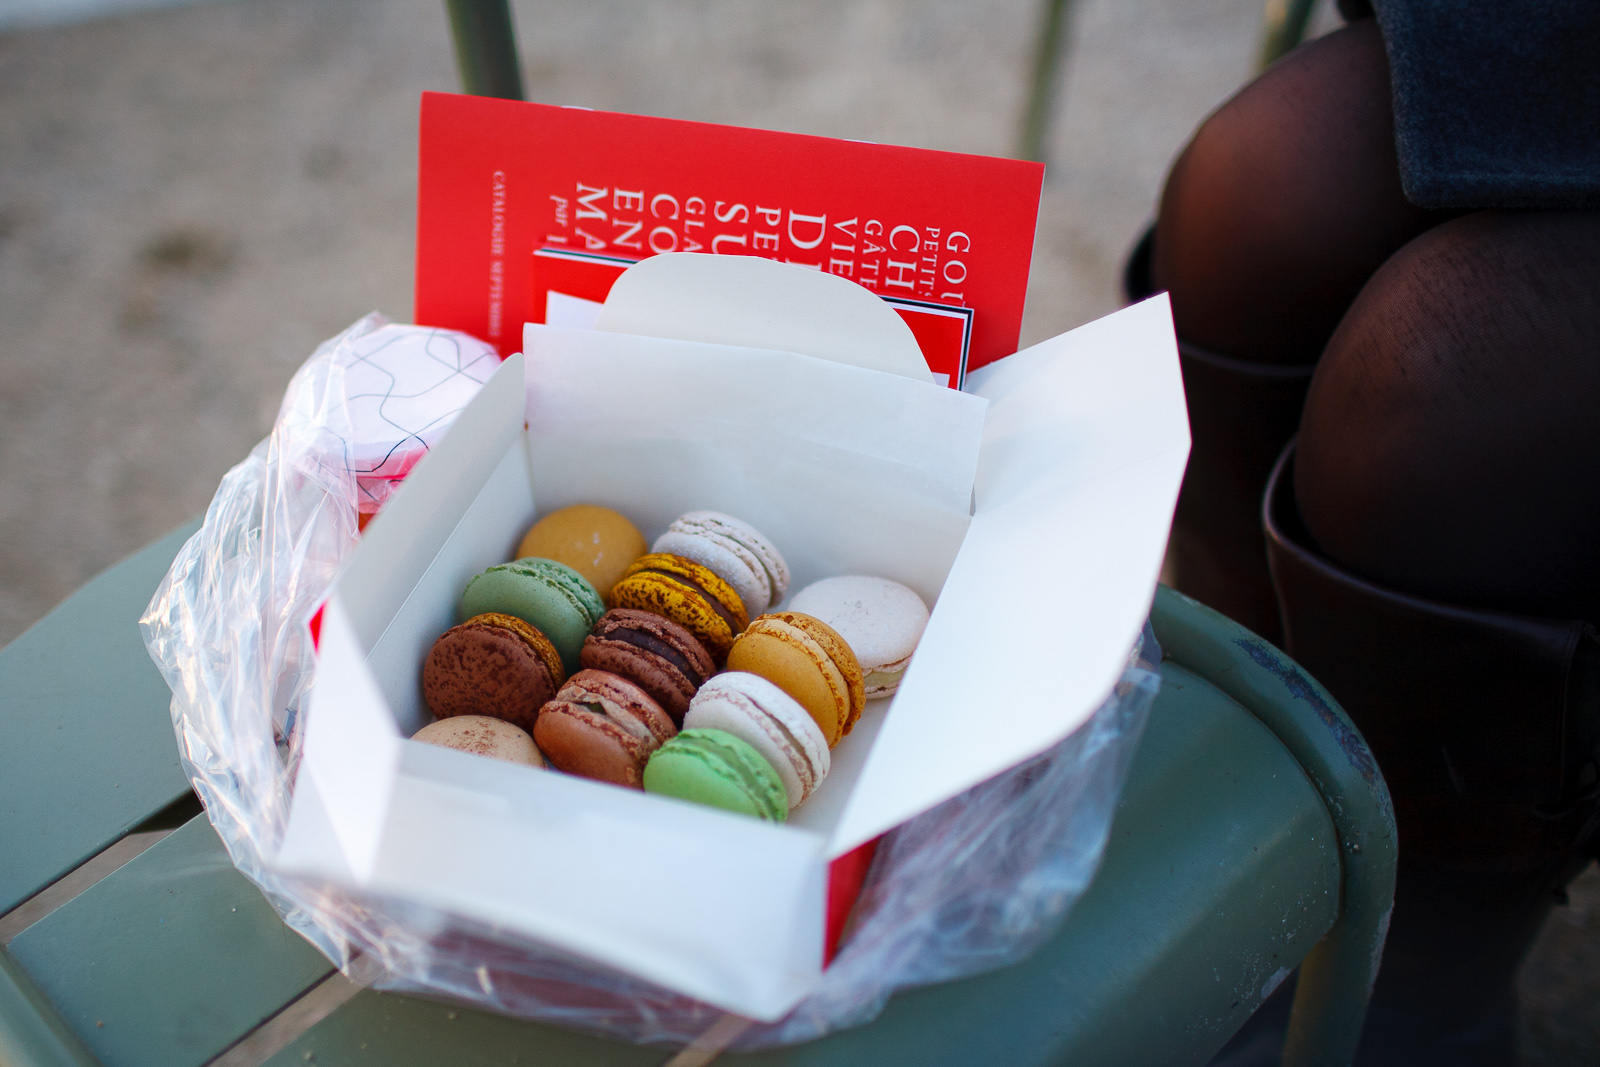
(1254, 836)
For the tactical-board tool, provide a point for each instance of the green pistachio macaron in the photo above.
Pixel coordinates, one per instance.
(715, 768)
(549, 596)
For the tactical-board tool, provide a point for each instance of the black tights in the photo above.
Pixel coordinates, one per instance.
(1450, 441)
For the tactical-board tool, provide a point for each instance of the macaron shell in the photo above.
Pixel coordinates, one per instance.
(838, 651)
(687, 593)
(788, 658)
(717, 769)
(535, 639)
(595, 541)
(491, 665)
(657, 654)
(881, 620)
(482, 736)
(738, 530)
(770, 721)
(580, 741)
(548, 595)
(731, 562)
(622, 700)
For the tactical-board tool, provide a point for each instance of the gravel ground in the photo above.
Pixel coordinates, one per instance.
(191, 198)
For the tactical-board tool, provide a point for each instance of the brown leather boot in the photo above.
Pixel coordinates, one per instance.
(1241, 414)
(1487, 729)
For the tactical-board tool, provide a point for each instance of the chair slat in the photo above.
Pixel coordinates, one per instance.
(89, 751)
(170, 959)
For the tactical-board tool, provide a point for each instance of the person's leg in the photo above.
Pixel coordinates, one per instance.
(1285, 202)
(1434, 546)
(1280, 208)
(1451, 441)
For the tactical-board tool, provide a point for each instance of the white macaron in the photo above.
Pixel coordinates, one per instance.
(735, 551)
(880, 620)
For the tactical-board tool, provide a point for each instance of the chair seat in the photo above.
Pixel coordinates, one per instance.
(88, 750)
(1221, 872)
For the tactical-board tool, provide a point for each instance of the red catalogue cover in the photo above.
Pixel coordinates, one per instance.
(528, 212)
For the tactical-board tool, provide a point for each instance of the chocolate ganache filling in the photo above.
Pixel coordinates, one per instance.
(649, 642)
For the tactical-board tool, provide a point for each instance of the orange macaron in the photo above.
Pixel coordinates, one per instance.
(807, 659)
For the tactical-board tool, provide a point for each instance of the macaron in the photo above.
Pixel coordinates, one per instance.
(602, 726)
(482, 736)
(492, 664)
(807, 659)
(770, 721)
(717, 769)
(550, 596)
(596, 542)
(882, 621)
(735, 551)
(687, 593)
(655, 653)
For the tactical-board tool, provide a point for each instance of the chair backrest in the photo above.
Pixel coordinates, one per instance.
(1336, 977)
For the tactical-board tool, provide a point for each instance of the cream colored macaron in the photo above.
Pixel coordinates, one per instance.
(735, 551)
(880, 620)
(482, 736)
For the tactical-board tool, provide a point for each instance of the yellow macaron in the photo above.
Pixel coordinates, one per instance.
(687, 593)
(596, 542)
(807, 659)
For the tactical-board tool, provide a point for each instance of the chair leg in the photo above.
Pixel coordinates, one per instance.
(486, 47)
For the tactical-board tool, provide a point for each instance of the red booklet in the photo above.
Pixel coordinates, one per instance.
(528, 212)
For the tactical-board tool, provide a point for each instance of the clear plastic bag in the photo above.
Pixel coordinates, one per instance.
(972, 885)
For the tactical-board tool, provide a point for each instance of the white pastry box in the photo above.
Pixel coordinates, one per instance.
(1030, 511)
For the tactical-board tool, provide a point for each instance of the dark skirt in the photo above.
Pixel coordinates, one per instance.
(1496, 102)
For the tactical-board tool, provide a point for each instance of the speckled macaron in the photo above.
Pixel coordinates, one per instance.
(735, 550)
(689, 594)
(550, 596)
(482, 736)
(493, 664)
(881, 620)
(807, 659)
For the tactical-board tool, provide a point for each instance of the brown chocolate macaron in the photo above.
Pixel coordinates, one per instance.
(661, 657)
(492, 664)
(602, 726)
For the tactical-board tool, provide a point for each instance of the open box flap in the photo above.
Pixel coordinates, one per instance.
(1083, 452)
(349, 761)
(758, 303)
(350, 753)
(407, 534)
